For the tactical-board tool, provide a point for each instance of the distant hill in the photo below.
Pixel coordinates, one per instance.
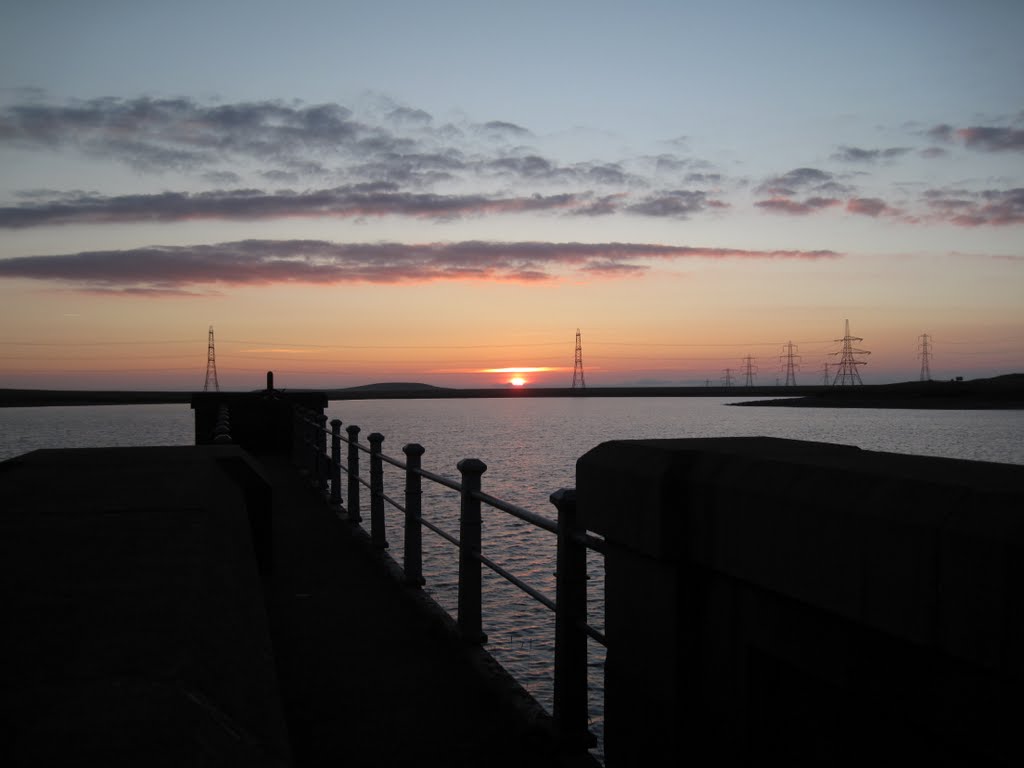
(1002, 392)
(392, 386)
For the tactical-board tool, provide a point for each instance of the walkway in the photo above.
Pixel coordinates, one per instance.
(137, 632)
(368, 677)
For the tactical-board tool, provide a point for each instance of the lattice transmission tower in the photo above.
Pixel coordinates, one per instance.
(727, 377)
(925, 354)
(848, 373)
(792, 362)
(749, 370)
(824, 371)
(211, 366)
(578, 382)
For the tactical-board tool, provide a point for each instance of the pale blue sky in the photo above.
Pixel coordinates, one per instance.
(890, 134)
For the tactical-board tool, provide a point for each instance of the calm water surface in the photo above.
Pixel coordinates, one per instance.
(530, 447)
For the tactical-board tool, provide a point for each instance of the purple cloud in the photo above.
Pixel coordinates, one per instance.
(994, 207)
(798, 180)
(993, 139)
(869, 206)
(797, 208)
(162, 269)
(860, 155)
(677, 204)
(247, 204)
(987, 138)
(179, 133)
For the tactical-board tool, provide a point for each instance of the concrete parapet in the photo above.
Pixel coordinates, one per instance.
(818, 604)
(135, 630)
(261, 422)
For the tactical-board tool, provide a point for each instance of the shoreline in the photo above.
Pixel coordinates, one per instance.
(999, 393)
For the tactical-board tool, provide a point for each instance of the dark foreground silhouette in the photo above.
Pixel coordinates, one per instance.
(998, 392)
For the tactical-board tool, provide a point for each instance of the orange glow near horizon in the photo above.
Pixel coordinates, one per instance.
(517, 381)
(517, 370)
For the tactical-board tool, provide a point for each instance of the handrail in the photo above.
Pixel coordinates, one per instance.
(523, 514)
(324, 468)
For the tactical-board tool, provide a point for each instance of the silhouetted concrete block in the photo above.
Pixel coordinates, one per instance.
(134, 623)
(808, 602)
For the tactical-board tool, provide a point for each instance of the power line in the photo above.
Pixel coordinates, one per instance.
(848, 373)
(577, 367)
(211, 366)
(749, 370)
(925, 354)
(789, 348)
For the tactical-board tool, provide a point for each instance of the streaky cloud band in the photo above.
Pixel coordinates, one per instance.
(158, 269)
(354, 201)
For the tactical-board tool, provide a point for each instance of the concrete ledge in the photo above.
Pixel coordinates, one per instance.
(743, 566)
(134, 620)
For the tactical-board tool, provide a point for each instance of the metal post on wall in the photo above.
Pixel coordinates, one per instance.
(322, 466)
(377, 533)
(354, 515)
(336, 464)
(470, 588)
(570, 694)
(413, 546)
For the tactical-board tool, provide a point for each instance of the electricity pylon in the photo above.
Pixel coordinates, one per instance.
(848, 373)
(824, 371)
(727, 377)
(749, 370)
(211, 367)
(577, 368)
(791, 362)
(925, 354)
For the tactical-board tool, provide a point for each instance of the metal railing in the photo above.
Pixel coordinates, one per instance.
(324, 468)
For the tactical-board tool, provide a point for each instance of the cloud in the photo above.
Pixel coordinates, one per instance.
(535, 168)
(796, 208)
(359, 200)
(796, 181)
(993, 139)
(678, 204)
(530, 166)
(704, 178)
(222, 177)
(860, 155)
(986, 138)
(601, 206)
(43, 208)
(995, 207)
(412, 168)
(156, 134)
(869, 206)
(409, 116)
(171, 269)
(942, 132)
(504, 129)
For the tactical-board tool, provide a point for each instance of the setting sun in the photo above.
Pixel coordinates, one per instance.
(517, 381)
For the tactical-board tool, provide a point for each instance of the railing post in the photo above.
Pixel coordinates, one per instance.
(470, 591)
(377, 533)
(296, 437)
(304, 437)
(311, 460)
(570, 695)
(353, 474)
(322, 465)
(336, 464)
(413, 546)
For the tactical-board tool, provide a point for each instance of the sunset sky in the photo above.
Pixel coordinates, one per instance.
(353, 192)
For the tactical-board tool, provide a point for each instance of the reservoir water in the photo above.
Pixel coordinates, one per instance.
(530, 446)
